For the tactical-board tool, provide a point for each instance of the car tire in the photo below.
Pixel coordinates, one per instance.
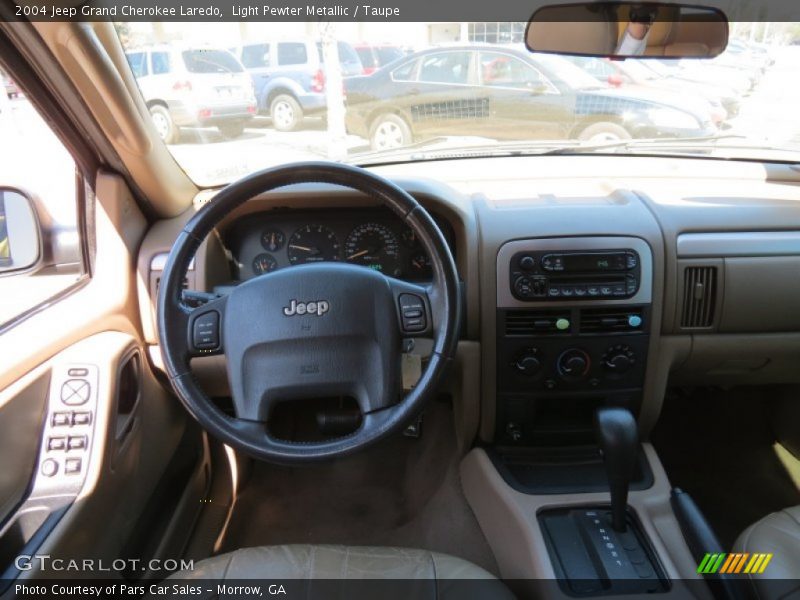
(389, 131)
(165, 126)
(286, 112)
(604, 132)
(231, 131)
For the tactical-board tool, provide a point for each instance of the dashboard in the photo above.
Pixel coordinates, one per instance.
(709, 298)
(374, 238)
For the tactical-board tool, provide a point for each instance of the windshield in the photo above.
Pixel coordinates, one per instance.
(232, 98)
(573, 76)
(638, 70)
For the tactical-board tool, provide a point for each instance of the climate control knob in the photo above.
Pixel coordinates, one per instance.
(528, 363)
(619, 359)
(574, 363)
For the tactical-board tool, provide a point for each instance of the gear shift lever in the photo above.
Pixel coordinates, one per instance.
(618, 437)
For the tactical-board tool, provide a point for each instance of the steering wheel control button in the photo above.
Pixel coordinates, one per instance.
(49, 467)
(61, 419)
(56, 443)
(72, 466)
(81, 418)
(75, 392)
(412, 313)
(205, 331)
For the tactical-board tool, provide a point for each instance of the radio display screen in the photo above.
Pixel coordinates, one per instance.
(594, 262)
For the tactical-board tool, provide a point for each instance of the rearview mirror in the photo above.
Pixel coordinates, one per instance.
(628, 29)
(20, 240)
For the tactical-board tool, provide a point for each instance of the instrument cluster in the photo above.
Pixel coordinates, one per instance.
(372, 238)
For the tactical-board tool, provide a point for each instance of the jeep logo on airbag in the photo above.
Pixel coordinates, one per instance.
(318, 307)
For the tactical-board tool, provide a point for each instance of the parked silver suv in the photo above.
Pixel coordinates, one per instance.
(193, 86)
(289, 77)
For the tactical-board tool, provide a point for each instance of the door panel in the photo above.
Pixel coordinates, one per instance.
(21, 412)
(70, 357)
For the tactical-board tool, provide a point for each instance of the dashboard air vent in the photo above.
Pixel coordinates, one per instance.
(612, 320)
(535, 322)
(699, 297)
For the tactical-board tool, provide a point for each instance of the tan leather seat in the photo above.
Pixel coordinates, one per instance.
(778, 534)
(445, 574)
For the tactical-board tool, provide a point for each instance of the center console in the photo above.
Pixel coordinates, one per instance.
(573, 322)
(573, 327)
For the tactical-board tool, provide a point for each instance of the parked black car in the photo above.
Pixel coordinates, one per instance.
(504, 93)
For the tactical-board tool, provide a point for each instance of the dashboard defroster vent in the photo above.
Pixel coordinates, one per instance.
(536, 322)
(612, 320)
(699, 297)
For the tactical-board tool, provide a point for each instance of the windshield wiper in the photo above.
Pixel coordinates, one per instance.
(706, 141)
(422, 150)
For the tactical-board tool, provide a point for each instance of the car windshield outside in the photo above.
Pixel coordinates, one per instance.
(264, 94)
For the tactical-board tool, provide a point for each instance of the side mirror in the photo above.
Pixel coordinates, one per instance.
(536, 88)
(20, 235)
(628, 29)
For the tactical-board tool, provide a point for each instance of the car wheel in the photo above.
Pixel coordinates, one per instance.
(389, 131)
(231, 131)
(286, 113)
(165, 126)
(604, 132)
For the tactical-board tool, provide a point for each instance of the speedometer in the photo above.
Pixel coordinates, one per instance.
(375, 246)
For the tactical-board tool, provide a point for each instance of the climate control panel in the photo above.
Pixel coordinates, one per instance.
(553, 363)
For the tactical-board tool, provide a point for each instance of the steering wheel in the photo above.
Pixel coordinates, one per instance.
(310, 331)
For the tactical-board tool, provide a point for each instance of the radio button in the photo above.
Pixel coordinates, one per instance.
(593, 290)
(552, 262)
(619, 290)
(523, 286)
(567, 292)
(554, 292)
(631, 259)
(539, 286)
(606, 291)
(527, 263)
(580, 290)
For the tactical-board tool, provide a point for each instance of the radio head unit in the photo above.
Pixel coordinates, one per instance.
(574, 274)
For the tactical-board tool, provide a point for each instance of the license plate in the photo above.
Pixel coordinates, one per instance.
(229, 92)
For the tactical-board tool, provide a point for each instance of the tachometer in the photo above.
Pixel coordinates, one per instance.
(264, 263)
(375, 246)
(312, 243)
